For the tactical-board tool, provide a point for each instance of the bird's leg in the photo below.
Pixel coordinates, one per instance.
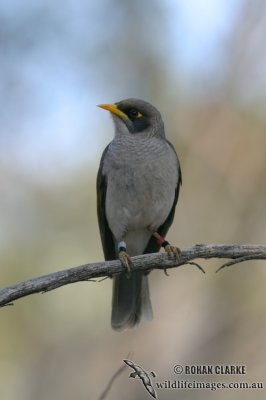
(166, 245)
(124, 258)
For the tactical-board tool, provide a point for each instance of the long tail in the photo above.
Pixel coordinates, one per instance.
(131, 300)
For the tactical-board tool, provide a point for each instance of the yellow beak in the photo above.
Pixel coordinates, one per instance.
(114, 110)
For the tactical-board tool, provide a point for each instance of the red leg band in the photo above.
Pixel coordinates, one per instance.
(160, 240)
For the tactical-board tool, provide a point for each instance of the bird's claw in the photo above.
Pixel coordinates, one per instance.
(126, 262)
(172, 250)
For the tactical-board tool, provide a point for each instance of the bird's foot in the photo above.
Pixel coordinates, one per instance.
(125, 261)
(170, 250)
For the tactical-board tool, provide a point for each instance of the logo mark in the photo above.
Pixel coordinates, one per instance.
(140, 373)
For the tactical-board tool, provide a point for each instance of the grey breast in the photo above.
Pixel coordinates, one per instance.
(142, 176)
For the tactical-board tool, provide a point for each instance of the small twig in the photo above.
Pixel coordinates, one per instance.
(111, 381)
(197, 265)
(236, 261)
(103, 279)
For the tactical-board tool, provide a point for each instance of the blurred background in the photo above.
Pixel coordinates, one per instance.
(202, 63)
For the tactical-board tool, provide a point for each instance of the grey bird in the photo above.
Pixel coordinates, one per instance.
(137, 190)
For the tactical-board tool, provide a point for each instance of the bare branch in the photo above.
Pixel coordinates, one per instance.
(238, 261)
(145, 262)
(110, 383)
(197, 265)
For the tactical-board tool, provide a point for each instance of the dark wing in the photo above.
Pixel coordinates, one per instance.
(105, 232)
(131, 364)
(152, 246)
(136, 367)
(151, 390)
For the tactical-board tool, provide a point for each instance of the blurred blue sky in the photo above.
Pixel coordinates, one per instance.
(49, 113)
(201, 26)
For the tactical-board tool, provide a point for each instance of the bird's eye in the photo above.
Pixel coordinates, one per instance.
(134, 113)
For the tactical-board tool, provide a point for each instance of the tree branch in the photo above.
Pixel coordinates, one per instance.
(110, 383)
(237, 253)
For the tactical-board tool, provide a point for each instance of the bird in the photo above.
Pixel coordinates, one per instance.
(140, 373)
(138, 185)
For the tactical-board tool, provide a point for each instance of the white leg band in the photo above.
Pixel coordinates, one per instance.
(121, 245)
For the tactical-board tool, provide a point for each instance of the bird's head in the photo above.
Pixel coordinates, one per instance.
(134, 116)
